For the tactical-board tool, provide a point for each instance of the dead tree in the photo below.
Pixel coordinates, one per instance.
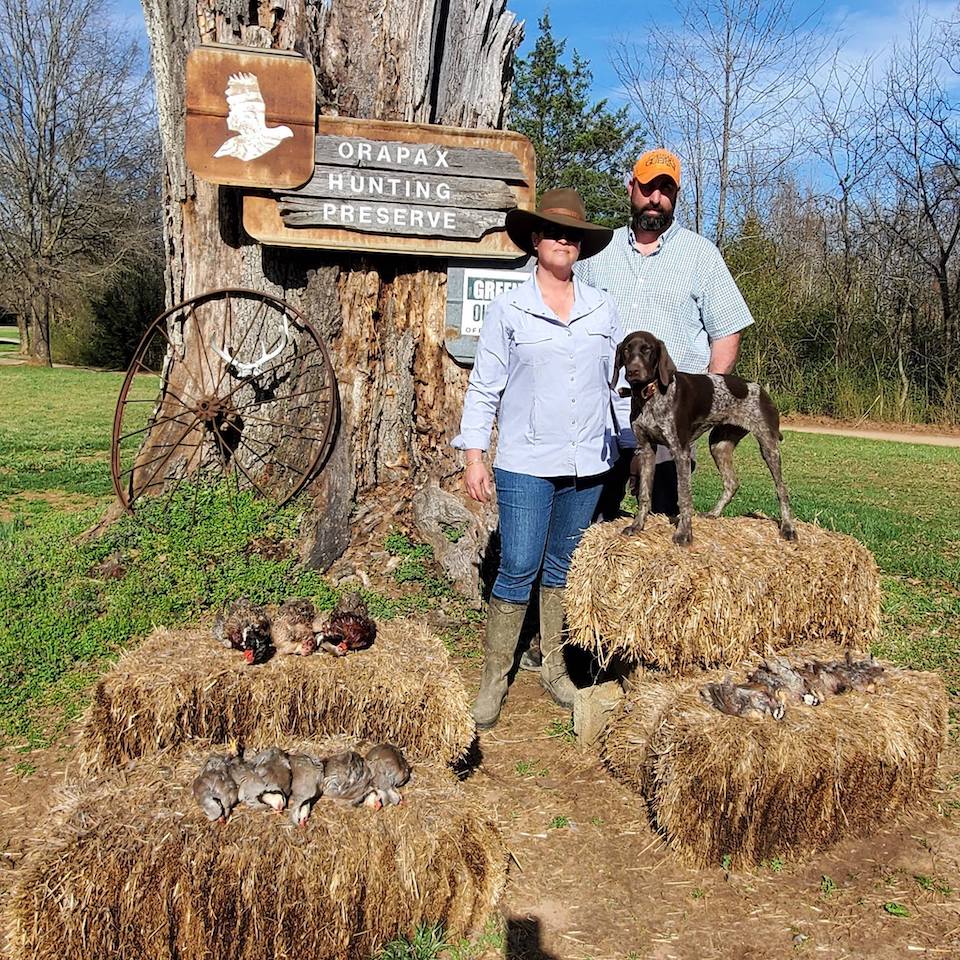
(426, 61)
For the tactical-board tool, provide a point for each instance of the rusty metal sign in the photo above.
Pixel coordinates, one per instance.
(396, 187)
(251, 116)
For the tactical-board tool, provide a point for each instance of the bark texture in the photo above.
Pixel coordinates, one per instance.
(442, 61)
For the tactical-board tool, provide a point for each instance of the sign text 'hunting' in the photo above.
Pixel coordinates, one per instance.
(403, 187)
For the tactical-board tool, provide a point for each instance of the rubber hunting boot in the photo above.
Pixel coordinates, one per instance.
(504, 621)
(553, 671)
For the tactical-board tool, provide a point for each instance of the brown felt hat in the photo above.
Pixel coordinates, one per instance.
(562, 206)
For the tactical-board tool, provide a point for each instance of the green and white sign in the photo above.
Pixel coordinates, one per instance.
(469, 291)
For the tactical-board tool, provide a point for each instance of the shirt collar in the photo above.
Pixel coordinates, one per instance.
(527, 297)
(664, 238)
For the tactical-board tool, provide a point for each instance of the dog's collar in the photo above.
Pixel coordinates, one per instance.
(645, 392)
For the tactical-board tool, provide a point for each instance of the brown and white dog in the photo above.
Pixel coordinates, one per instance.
(674, 409)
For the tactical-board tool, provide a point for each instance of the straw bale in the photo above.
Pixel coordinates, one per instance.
(180, 685)
(738, 587)
(130, 868)
(718, 785)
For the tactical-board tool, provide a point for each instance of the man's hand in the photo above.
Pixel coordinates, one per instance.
(723, 354)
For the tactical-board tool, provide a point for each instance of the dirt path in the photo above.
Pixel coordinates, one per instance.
(900, 433)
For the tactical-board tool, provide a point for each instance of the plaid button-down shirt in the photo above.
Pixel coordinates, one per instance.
(682, 293)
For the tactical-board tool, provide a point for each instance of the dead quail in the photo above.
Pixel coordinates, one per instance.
(245, 627)
(751, 700)
(347, 779)
(215, 787)
(389, 769)
(777, 674)
(264, 780)
(306, 786)
(817, 687)
(850, 674)
(292, 628)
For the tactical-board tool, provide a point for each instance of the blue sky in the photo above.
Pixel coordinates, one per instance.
(868, 28)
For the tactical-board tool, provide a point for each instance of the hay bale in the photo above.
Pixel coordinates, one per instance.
(130, 868)
(180, 685)
(718, 785)
(738, 588)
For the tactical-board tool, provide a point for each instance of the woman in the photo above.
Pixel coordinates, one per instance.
(542, 369)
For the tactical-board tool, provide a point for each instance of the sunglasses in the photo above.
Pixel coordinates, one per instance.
(556, 231)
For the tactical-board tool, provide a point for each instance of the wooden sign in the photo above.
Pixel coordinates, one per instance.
(250, 116)
(401, 188)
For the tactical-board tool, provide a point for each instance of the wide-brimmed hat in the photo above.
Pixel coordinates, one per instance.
(562, 206)
(655, 163)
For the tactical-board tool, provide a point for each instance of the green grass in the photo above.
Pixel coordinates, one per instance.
(62, 623)
(900, 500)
(55, 431)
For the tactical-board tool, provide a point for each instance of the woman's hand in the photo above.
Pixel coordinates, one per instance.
(476, 480)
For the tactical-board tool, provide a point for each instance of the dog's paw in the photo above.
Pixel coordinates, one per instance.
(683, 538)
(788, 531)
(632, 529)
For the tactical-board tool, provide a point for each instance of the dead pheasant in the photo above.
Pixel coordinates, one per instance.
(348, 627)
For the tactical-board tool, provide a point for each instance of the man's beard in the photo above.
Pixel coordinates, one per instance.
(650, 221)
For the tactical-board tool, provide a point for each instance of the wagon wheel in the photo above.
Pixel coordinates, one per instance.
(230, 383)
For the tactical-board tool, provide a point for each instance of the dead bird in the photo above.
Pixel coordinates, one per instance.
(264, 780)
(306, 786)
(246, 627)
(216, 788)
(292, 628)
(751, 700)
(864, 675)
(778, 674)
(839, 676)
(348, 780)
(390, 770)
(347, 627)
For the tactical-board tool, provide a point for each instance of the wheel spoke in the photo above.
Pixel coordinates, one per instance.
(150, 426)
(166, 457)
(301, 431)
(197, 326)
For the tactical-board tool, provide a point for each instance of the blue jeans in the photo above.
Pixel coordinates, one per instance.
(541, 522)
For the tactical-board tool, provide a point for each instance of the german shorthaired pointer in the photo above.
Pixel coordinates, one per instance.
(674, 409)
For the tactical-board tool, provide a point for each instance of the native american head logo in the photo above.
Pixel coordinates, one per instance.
(247, 117)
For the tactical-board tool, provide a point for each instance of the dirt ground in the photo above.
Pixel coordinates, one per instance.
(589, 878)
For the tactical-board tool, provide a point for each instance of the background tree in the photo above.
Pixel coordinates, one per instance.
(721, 90)
(578, 144)
(76, 158)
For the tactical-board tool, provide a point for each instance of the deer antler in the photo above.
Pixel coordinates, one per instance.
(255, 368)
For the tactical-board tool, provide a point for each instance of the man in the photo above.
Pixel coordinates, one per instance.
(673, 283)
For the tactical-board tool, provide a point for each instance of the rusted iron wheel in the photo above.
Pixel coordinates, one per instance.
(231, 383)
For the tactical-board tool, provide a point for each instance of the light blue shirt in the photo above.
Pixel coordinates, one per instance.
(682, 293)
(547, 384)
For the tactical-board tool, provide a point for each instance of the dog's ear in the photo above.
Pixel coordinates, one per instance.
(666, 368)
(617, 364)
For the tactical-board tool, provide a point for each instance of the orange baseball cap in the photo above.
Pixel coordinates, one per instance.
(654, 163)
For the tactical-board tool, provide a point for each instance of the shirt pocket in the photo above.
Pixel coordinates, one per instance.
(533, 349)
(601, 346)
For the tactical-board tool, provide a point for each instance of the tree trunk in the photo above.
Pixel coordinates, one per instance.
(383, 318)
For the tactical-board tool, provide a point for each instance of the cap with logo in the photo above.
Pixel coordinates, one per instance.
(655, 163)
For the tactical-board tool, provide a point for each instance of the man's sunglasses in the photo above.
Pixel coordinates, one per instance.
(556, 231)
